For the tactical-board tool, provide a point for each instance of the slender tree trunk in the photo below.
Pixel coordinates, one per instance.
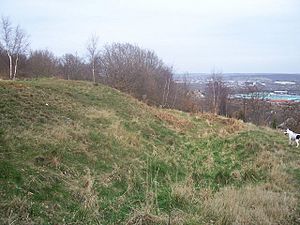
(163, 99)
(10, 66)
(16, 67)
(175, 97)
(168, 90)
(214, 99)
(217, 103)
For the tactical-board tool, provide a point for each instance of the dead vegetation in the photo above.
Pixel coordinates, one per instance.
(176, 122)
(250, 205)
(225, 126)
(87, 193)
(16, 211)
(14, 85)
(143, 217)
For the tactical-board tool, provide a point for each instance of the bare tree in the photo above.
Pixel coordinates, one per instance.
(42, 63)
(15, 42)
(93, 54)
(256, 104)
(166, 91)
(217, 94)
(289, 115)
(136, 71)
(72, 67)
(142, 74)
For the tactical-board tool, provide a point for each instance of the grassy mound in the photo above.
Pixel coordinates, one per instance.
(75, 153)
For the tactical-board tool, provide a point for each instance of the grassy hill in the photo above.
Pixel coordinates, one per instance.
(75, 153)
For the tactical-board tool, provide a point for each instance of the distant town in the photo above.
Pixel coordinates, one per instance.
(277, 86)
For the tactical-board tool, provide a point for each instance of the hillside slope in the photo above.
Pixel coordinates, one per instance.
(75, 153)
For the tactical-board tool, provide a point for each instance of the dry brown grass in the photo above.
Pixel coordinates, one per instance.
(145, 217)
(266, 160)
(107, 178)
(176, 217)
(184, 192)
(16, 211)
(250, 205)
(273, 164)
(271, 202)
(125, 137)
(14, 85)
(55, 161)
(218, 125)
(174, 121)
(232, 127)
(229, 124)
(60, 133)
(56, 133)
(84, 191)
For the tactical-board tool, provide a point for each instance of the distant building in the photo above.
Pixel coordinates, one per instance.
(285, 82)
(281, 92)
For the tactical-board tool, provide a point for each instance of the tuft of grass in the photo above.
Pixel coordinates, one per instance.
(250, 205)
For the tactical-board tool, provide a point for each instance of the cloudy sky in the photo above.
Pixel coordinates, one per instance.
(190, 35)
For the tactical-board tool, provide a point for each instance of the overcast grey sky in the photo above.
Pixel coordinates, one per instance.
(190, 35)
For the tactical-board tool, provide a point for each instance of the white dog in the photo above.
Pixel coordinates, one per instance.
(293, 136)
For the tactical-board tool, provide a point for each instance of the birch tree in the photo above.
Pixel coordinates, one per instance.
(93, 54)
(14, 42)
